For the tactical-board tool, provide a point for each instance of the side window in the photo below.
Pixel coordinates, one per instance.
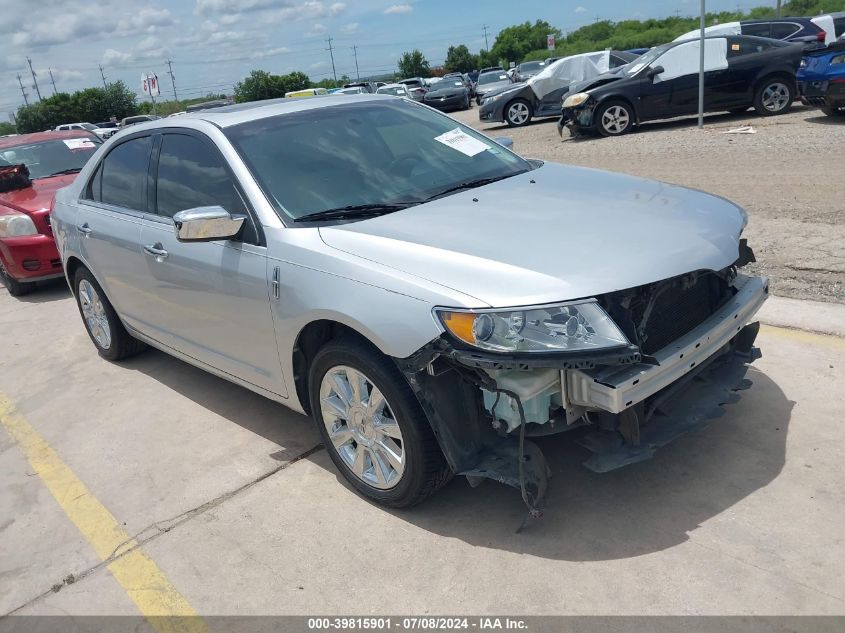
(191, 175)
(94, 188)
(784, 30)
(124, 174)
(760, 30)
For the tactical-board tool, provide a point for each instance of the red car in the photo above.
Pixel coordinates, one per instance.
(32, 168)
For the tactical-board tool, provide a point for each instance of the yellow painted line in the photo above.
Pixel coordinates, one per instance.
(802, 336)
(156, 598)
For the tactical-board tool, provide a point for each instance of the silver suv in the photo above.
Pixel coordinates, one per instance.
(430, 298)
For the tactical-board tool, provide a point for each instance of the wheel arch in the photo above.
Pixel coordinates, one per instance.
(614, 96)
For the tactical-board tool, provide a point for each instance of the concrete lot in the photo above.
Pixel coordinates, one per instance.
(742, 517)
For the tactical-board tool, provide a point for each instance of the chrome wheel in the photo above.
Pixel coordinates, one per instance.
(94, 314)
(361, 426)
(518, 113)
(615, 119)
(775, 97)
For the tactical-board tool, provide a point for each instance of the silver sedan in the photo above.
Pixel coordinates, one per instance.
(429, 297)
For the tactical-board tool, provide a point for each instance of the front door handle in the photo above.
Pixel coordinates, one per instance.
(156, 251)
(83, 229)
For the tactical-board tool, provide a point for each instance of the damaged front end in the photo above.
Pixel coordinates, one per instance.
(686, 348)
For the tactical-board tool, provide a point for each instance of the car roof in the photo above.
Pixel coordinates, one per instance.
(392, 86)
(804, 21)
(255, 110)
(38, 137)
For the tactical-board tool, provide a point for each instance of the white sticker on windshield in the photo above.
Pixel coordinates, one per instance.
(463, 142)
(78, 143)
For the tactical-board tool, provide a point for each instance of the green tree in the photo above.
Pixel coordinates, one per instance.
(88, 105)
(261, 85)
(460, 60)
(514, 42)
(414, 64)
(7, 128)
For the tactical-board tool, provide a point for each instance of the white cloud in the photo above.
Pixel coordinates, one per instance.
(580, 9)
(271, 53)
(318, 65)
(398, 8)
(230, 19)
(111, 56)
(317, 29)
(208, 7)
(350, 28)
(310, 10)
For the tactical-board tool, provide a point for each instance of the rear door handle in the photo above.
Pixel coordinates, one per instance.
(156, 251)
(83, 229)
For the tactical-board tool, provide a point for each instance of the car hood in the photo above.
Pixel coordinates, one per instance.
(552, 234)
(505, 88)
(445, 92)
(486, 89)
(36, 197)
(595, 82)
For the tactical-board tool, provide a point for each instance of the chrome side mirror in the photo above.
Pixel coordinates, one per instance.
(206, 224)
(504, 141)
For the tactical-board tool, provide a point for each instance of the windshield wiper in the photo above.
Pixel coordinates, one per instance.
(355, 211)
(470, 184)
(72, 170)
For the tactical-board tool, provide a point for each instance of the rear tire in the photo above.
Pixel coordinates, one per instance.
(518, 113)
(103, 325)
(16, 288)
(401, 463)
(840, 112)
(774, 96)
(614, 118)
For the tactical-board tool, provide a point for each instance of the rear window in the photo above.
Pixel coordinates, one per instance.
(760, 30)
(784, 30)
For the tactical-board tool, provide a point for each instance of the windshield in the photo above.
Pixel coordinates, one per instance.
(371, 153)
(51, 157)
(393, 90)
(489, 78)
(646, 59)
(529, 66)
(89, 127)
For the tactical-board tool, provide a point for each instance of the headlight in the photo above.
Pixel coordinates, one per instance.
(575, 100)
(565, 327)
(16, 225)
(839, 59)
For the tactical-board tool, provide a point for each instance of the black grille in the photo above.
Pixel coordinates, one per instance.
(677, 309)
(655, 315)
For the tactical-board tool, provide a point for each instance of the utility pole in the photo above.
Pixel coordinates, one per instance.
(486, 44)
(23, 92)
(331, 52)
(103, 76)
(355, 52)
(701, 40)
(50, 70)
(34, 80)
(778, 9)
(172, 79)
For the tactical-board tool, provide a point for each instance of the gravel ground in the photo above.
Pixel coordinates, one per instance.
(787, 176)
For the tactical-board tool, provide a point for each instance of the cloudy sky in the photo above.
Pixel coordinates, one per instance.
(215, 43)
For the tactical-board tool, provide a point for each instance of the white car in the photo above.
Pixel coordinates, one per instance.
(398, 90)
(103, 133)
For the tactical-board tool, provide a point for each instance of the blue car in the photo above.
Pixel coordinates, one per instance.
(821, 79)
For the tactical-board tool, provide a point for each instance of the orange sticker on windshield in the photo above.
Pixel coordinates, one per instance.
(734, 47)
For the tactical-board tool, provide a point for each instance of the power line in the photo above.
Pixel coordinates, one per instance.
(23, 92)
(34, 80)
(357, 73)
(172, 79)
(102, 74)
(50, 70)
(331, 52)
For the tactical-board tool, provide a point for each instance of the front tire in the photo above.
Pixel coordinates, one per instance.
(16, 288)
(103, 325)
(774, 96)
(518, 113)
(372, 425)
(614, 118)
